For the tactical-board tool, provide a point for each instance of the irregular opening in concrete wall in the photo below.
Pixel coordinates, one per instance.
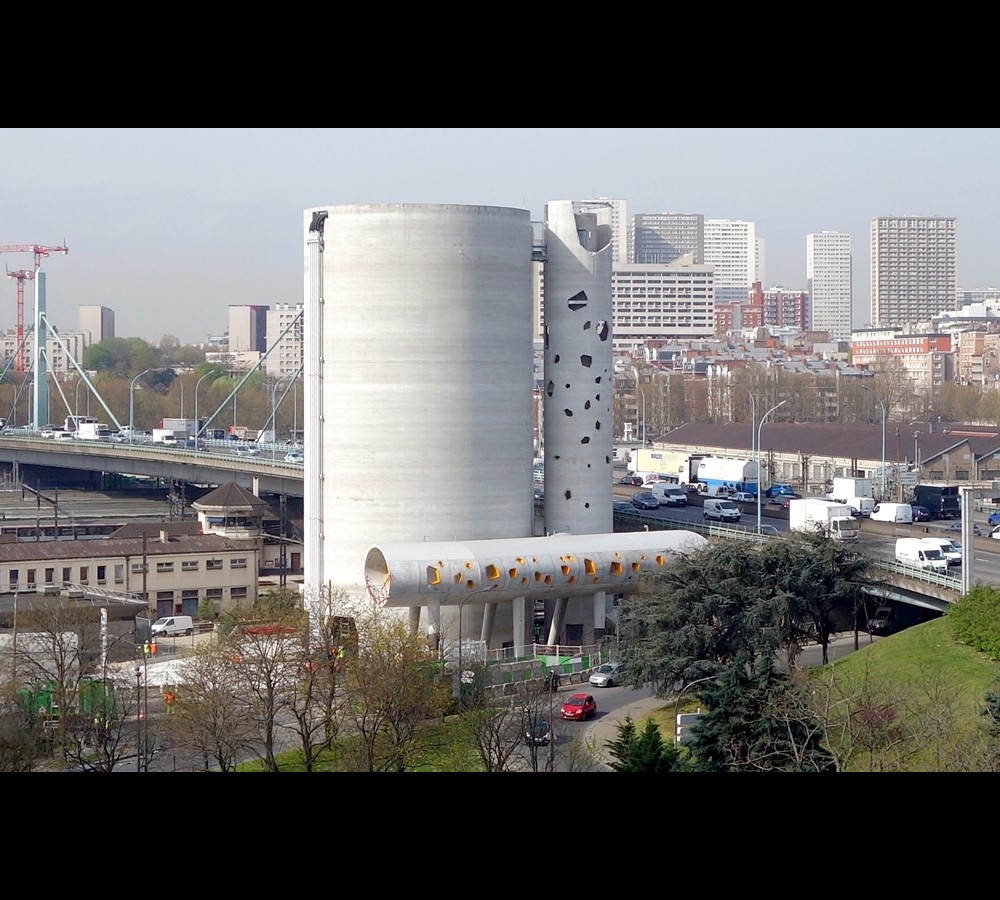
(590, 567)
(549, 388)
(586, 325)
(433, 576)
(603, 331)
(616, 568)
(585, 440)
(577, 301)
(492, 572)
(568, 412)
(586, 405)
(586, 360)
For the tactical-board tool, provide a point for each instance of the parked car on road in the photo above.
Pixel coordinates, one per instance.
(743, 497)
(631, 479)
(957, 526)
(539, 734)
(921, 514)
(608, 675)
(993, 518)
(645, 500)
(578, 707)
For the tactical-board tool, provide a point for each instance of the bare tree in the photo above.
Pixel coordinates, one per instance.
(394, 686)
(313, 698)
(269, 658)
(211, 715)
(57, 647)
(20, 734)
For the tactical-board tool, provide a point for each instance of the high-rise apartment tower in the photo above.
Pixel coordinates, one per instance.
(913, 268)
(828, 274)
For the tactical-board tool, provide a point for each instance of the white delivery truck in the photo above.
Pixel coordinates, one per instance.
(93, 431)
(855, 492)
(900, 513)
(950, 549)
(171, 626)
(915, 552)
(669, 494)
(862, 506)
(852, 487)
(814, 514)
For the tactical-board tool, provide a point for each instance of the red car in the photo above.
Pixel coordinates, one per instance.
(578, 707)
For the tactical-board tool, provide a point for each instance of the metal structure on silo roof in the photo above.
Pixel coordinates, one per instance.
(418, 380)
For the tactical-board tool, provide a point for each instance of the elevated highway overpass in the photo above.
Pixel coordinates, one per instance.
(216, 464)
(269, 473)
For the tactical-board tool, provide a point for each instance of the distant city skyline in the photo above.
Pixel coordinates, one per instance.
(170, 227)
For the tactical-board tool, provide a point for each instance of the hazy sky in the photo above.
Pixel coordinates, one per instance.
(168, 227)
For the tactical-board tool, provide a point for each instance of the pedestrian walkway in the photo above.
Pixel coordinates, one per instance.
(604, 729)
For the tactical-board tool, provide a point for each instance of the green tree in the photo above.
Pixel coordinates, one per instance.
(644, 751)
(814, 577)
(756, 720)
(694, 619)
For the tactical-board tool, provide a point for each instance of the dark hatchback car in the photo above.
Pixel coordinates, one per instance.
(645, 500)
(635, 480)
(539, 734)
(921, 514)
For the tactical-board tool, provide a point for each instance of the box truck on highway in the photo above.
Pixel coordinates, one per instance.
(814, 514)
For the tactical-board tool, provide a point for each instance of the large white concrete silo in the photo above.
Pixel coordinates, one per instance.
(420, 392)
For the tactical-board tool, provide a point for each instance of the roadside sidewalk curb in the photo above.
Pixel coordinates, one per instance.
(605, 729)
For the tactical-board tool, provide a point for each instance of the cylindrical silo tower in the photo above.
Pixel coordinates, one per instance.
(422, 317)
(579, 429)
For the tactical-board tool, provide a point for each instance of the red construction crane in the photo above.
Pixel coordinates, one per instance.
(40, 252)
(20, 276)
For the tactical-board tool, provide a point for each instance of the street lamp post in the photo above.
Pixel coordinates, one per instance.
(197, 422)
(274, 417)
(760, 425)
(76, 405)
(461, 608)
(642, 393)
(131, 405)
(682, 692)
(880, 403)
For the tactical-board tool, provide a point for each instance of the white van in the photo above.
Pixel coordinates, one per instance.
(915, 552)
(950, 549)
(669, 494)
(169, 626)
(900, 513)
(722, 510)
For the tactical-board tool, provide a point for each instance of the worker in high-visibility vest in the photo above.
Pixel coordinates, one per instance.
(169, 699)
(145, 648)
